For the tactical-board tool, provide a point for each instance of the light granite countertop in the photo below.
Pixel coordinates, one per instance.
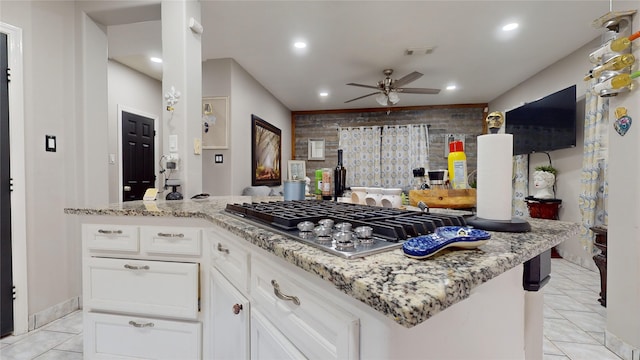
(409, 291)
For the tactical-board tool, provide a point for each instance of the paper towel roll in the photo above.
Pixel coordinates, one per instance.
(495, 169)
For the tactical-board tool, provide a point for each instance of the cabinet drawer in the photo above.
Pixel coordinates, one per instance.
(229, 258)
(311, 321)
(170, 240)
(168, 289)
(109, 336)
(119, 238)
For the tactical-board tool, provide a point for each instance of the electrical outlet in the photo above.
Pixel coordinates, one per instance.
(173, 143)
(218, 159)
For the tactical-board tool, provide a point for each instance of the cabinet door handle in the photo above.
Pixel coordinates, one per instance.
(237, 308)
(168, 235)
(138, 325)
(222, 248)
(110, 232)
(133, 267)
(281, 296)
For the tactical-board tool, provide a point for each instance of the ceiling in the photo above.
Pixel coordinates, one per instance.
(354, 41)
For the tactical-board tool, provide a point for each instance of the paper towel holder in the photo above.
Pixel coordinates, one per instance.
(513, 225)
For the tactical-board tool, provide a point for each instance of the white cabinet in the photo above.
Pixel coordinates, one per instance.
(141, 292)
(229, 319)
(108, 336)
(267, 343)
(142, 287)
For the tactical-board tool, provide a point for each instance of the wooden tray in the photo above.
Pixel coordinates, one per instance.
(444, 198)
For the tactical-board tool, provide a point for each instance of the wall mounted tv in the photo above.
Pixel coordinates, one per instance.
(544, 125)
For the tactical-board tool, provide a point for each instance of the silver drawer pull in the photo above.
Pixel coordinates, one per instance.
(281, 296)
(222, 248)
(167, 235)
(138, 325)
(133, 267)
(110, 232)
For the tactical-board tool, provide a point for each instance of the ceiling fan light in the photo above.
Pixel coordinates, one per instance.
(381, 99)
(393, 97)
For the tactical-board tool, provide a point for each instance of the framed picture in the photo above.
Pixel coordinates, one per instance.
(265, 153)
(316, 149)
(296, 170)
(215, 122)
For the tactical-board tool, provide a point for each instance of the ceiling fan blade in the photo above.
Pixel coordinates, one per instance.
(364, 86)
(407, 79)
(364, 96)
(418, 91)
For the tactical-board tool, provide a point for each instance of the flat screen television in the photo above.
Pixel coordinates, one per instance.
(544, 125)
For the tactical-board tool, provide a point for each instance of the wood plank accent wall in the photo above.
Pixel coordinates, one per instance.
(467, 119)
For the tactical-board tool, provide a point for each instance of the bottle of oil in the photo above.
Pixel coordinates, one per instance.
(339, 178)
(615, 45)
(618, 62)
(457, 165)
(616, 82)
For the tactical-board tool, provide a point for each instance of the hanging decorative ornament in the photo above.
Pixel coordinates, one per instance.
(172, 98)
(623, 121)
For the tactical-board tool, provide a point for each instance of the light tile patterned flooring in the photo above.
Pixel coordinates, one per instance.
(574, 324)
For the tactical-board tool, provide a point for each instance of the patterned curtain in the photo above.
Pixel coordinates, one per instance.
(361, 155)
(404, 147)
(520, 186)
(593, 182)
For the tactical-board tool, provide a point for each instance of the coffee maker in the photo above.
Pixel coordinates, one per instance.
(419, 179)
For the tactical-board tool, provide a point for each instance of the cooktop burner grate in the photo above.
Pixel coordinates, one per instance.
(390, 226)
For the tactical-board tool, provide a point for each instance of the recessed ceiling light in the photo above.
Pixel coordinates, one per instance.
(300, 45)
(156, 60)
(324, 94)
(451, 87)
(510, 27)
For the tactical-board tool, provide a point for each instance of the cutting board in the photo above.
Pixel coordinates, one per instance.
(444, 198)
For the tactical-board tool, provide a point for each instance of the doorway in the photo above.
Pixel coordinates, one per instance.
(138, 137)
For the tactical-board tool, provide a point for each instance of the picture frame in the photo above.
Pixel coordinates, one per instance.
(215, 122)
(315, 149)
(296, 170)
(266, 153)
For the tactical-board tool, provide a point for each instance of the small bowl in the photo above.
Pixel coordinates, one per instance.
(306, 226)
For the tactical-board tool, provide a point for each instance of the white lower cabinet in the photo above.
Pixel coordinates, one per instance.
(267, 343)
(229, 317)
(110, 336)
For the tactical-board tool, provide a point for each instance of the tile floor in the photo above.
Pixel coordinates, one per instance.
(574, 324)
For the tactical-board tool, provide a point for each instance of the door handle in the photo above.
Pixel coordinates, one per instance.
(127, 188)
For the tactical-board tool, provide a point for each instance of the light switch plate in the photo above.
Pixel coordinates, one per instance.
(50, 143)
(173, 143)
(197, 146)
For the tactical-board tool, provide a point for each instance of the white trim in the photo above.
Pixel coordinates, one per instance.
(156, 144)
(18, 195)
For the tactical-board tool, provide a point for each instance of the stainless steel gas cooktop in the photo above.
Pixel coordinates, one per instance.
(346, 230)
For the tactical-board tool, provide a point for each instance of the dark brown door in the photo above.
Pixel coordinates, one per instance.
(6, 277)
(138, 134)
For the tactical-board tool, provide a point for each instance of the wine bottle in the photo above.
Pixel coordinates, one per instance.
(618, 62)
(614, 45)
(339, 178)
(616, 82)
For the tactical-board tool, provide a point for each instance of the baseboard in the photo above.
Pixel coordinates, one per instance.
(619, 347)
(55, 312)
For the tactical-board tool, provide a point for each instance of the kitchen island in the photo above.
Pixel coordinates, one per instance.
(458, 304)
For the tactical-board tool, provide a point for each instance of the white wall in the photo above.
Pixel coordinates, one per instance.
(50, 102)
(135, 91)
(216, 81)
(564, 73)
(623, 264)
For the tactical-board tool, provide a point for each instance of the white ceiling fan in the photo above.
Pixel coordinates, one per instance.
(388, 88)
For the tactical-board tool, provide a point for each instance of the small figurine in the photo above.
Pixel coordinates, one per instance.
(307, 182)
(543, 181)
(623, 121)
(495, 121)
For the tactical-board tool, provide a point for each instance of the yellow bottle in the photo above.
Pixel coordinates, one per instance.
(457, 162)
(616, 63)
(617, 82)
(616, 45)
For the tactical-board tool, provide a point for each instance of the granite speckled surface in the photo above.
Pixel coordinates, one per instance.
(406, 290)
